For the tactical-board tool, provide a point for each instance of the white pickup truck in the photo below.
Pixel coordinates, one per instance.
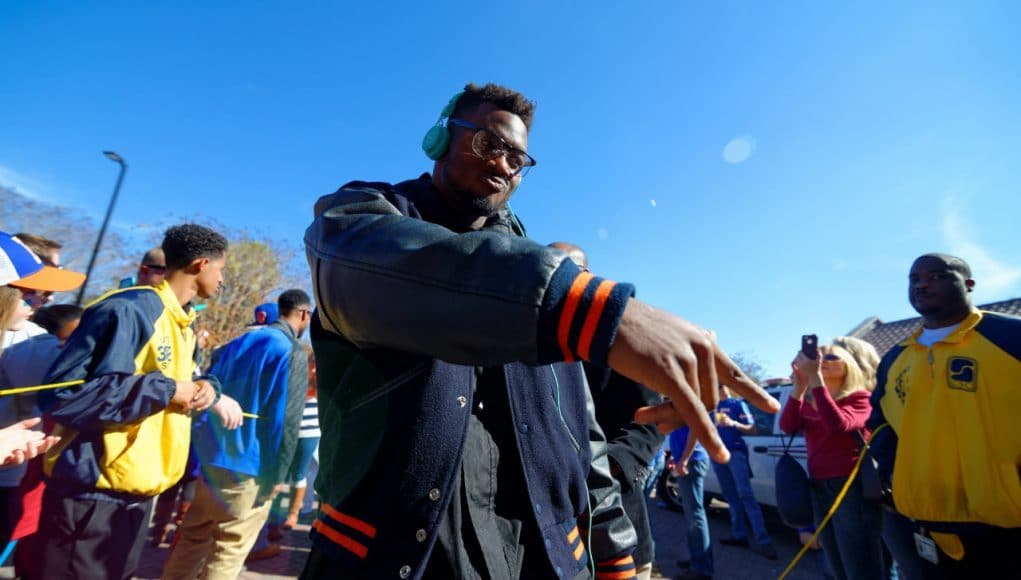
(764, 449)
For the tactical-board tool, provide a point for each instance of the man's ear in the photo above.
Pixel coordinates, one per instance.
(197, 265)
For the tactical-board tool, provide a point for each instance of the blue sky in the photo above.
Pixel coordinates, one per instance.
(765, 169)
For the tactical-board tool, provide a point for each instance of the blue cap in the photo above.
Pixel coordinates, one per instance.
(266, 313)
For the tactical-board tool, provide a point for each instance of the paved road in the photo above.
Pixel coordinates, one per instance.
(667, 527)
(731, 562)
(286, 565)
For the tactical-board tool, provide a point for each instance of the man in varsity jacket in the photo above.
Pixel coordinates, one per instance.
(950, 395)
(125, 430)
(457, 439)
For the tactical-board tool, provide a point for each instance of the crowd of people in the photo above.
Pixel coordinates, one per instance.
(484, 405)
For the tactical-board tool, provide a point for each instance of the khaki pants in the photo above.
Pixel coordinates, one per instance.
(219, 529)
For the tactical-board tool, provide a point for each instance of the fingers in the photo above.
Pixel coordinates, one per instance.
(707, 376)
(663, 415)
(732, 376)
(28, 423)
(36, 448)
(204, 396)
(674, 413)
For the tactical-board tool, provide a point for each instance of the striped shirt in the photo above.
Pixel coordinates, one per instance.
(310, 420)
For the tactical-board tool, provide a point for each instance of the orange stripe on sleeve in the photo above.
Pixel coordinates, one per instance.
(622, 561)
(340, 539)
(567, 315)
(616, 575)
(572, 535)
(588, 331)
(578, 551)
(353, 523)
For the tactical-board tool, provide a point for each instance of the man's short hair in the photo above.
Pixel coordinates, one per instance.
(54, 317)
(40, 246)
(291, 300)
(953, 262)
(154, 257)
(503, 98)
(186, 243)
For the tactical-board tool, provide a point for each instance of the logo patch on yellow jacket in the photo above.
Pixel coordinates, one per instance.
(165, 353)
(962, 373)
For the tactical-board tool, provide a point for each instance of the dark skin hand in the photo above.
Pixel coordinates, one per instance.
(684, 363)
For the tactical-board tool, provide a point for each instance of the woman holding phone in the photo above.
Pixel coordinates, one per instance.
(830, 404)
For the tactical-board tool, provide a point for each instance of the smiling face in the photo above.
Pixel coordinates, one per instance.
(939, 291)
(472, 186)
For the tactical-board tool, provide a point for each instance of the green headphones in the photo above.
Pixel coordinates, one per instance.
(437, 138)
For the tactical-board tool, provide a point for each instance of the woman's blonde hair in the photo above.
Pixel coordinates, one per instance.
(864, 354)
(854, 377)
(10, 300)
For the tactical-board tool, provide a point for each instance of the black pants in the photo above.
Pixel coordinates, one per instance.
(82, 538)
(989, 552)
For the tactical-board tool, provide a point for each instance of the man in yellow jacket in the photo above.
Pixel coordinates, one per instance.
(125, 430)
(951, 394)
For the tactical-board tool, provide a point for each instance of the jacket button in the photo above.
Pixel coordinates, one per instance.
(405, 571)
(462, 401)
(538, 508)
(420, 535)
(523, 427)
(434, 494)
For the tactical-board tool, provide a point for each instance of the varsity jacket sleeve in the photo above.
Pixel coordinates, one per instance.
(384, 279)
(294, 405)
(102, 351)
(613, 538)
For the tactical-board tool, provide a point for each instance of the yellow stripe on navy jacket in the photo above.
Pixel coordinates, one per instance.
(955, 409)
(118, 439)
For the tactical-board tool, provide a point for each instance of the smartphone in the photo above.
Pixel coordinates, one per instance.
(810, 345)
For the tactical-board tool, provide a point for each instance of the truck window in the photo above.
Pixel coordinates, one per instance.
(764, 421)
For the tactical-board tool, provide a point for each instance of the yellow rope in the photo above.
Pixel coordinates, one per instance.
(20, 390)
(836, 503)
(35, 388)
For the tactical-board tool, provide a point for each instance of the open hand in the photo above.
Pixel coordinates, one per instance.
(19, 443)
(683, 362)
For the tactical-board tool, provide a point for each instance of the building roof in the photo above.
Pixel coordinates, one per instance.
(885, 335)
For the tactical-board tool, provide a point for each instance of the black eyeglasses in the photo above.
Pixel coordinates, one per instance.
(489, 145)
(830, 357)
(155, 267)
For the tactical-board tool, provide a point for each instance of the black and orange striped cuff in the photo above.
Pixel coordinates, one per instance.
(580, 315)
(616, 569)
(337, 528)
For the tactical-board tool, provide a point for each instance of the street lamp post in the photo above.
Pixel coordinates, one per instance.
(106, 220)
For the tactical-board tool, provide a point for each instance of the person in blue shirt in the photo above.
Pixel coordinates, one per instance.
(734, 421)
(691, 463)
(243, 467)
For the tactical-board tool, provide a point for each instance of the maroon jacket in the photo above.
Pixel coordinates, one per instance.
(829, 428)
